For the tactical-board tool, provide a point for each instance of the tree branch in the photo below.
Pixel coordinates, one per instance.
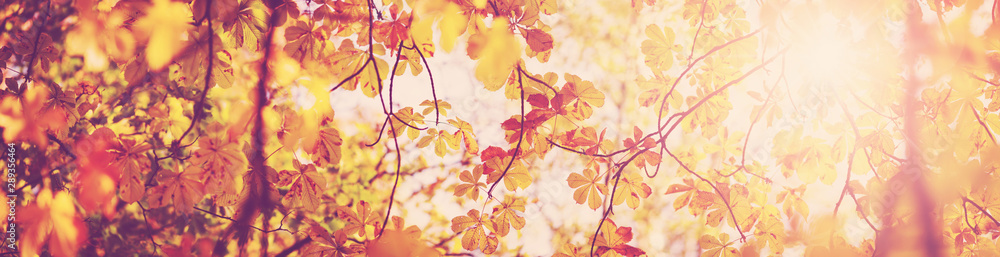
(520, 138)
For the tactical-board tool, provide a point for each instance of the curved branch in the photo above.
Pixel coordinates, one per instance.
(967, 200)
(437, 111)
(743, 238)
(520, 138)
(850, 160)
(611, 206)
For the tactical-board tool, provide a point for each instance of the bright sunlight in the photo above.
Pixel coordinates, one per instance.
(823, 51)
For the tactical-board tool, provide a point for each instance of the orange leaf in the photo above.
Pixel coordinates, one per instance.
(52, 219)
(180, 188)
(307, 186)
(587, 188)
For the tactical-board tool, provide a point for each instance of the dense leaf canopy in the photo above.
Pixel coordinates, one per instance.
(500, 127)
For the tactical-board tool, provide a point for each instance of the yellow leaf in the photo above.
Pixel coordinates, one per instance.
(307, 186)
(717, 246)
(771, 231)
(467, 135)
(631, 189)
(360, 220)
(587, 188)
(658, 48)
(505, 215)
(517, 177)
(452, 25)
(53, 220)
(583, 90)
(326, 147)
(166, 22)
(499, 55)
(470, 184)
(475, 232)
(538, 40)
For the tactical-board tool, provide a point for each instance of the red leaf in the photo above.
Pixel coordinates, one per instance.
(538, 100)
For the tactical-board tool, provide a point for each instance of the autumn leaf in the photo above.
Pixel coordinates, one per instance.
(441, 139)
(659, 47)
(326, 147)
(616, 238)
(689, 191)
(538, 40)
(517, 177)
(717, 246)
(25, 117)
(119, 45)
(496, 63)
(505, 216)
(189, 247)
(583, 90)
(131, 157)
(475, 236)
(631, 189)
(165, 24)
(587, 188)
(325, 244)
(169, 118)
(466, 133)
(404, 120)
(470, 183)
(220, 162)
(361, 220)
(246, 28)
(54, 225)
(770, 230)
(38, 48)
(180, 188)
(306, 41)
(306, 183)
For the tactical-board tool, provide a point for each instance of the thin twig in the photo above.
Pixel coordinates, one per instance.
(520, 138)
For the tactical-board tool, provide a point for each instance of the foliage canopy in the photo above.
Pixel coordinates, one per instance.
(500, 127)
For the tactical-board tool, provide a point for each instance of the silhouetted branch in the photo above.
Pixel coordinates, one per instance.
(520, 138)
(981, 209)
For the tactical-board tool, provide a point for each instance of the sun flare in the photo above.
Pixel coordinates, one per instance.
(822, 51)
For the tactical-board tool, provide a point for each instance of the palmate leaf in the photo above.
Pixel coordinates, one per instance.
(306, 41)
(470, 185)
(192, 61)
(361, 220)
(614, 238)
(182, 189)
(351, 60)
(659, 47)
(307, 186)
(517, 177)
(631, 190)
(325, 244)
(587, 188)
(326, 147)
(246, 28)
(133, 161)
(475, 236)
(221, 162)
(770, 230)
(166, 24)
(506, 215)
(496, 63)
(441, 139)
(717, 246)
